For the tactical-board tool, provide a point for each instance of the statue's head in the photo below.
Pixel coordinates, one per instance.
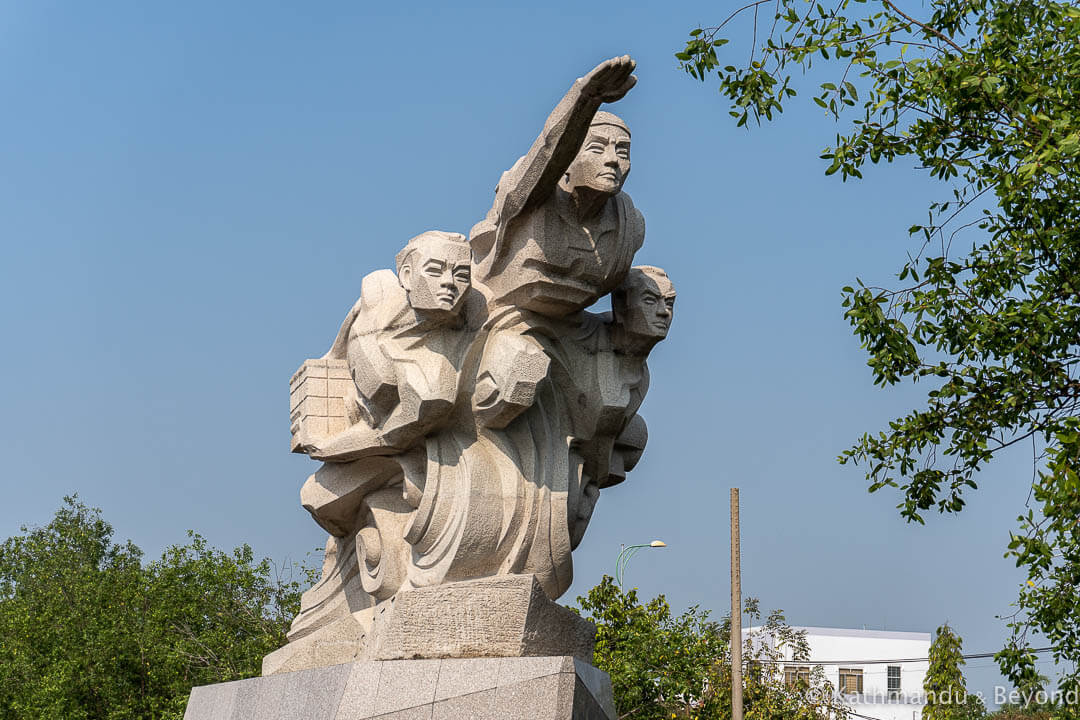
(434, 270)
(643, 303)
(603, 162)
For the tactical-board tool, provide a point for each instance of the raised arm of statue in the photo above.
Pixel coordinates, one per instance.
(535, 176)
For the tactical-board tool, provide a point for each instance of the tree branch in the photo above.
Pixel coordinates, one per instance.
(927, 28)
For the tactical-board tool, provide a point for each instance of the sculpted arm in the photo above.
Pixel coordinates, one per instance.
(423, 404)
(355, 442)
(537, 174)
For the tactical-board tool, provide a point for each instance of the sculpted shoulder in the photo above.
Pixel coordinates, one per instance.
(635, 221)
(382, 301)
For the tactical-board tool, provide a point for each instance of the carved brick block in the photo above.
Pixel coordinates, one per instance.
(317, 393)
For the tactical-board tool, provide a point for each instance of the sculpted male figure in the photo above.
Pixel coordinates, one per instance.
(405, 347)
(405, 342)
(560, 235)
(642, 307)
(613, 377)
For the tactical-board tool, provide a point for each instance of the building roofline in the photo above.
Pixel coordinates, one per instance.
(852, 632)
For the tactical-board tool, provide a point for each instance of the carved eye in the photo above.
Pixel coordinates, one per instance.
(596, 148)
(462, 275)
(648, 300)
(624, 153)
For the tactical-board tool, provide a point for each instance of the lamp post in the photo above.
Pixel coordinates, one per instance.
(627, 552)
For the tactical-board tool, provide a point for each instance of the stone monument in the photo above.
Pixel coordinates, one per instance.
(466, 418)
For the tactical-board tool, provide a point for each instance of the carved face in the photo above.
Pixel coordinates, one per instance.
(603, 162)
(436, 276)
(650, 303)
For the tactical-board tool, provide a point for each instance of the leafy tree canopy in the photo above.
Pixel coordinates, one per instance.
(1012, 712)
(947, 697)
(666, 666)
(982, 96)
(90, 632)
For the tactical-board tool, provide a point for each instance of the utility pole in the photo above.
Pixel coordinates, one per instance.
(736, 611)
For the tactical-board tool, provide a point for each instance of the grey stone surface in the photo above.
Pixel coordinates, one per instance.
(416, 713)
(551, 688)
(542, 698)
(516, 670)
(463, 677)
(597, 683)
(313, 694)
(337, 642)
(476, 705)
(358, 699)
(406, 683)
(268, 700)
(247, 695)
(212, 702)
(587, 707)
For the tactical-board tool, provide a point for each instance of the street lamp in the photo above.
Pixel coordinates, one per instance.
(628, 552)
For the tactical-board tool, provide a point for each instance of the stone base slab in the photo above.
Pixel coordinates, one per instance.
(504, 616)
(497, 617)
(516, 688)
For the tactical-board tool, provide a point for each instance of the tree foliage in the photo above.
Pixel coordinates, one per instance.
(88, 631)
(982, 96)
(1012, 712)
(947, 697)
(665, 666)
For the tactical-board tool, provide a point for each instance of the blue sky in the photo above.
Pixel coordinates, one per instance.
(190, 194)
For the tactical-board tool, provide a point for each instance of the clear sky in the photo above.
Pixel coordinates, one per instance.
(191, 192)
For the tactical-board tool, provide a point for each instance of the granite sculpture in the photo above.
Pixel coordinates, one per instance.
(471, 410)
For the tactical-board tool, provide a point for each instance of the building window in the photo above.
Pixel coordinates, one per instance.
(796, 675)
(894, 681)
(850, 681)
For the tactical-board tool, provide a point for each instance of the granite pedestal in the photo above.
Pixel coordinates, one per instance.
(515, 688)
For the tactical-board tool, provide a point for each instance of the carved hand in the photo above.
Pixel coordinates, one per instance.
(354, 442)
(610, 80)
(510, 370)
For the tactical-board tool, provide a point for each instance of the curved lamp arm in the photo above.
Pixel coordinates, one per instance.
(627, 552)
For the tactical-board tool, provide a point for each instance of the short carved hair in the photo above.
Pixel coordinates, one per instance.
(635, 279)
(603, 117)
(413, 245)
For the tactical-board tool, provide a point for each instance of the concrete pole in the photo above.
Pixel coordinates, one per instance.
(736, 611)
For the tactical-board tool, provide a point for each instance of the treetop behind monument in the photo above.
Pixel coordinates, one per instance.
(980, 95)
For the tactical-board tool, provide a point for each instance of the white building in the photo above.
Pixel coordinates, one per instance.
(879, 674)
